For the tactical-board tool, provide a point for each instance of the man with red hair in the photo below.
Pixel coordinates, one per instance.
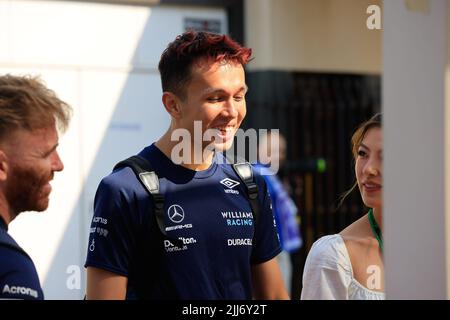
(185, 228)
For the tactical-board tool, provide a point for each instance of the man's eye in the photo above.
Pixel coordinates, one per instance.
(214, 99)
(238, 98)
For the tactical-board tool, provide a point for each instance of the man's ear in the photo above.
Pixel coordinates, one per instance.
(3, 166)
(172, 104)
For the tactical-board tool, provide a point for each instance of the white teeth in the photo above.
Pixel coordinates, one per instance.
(371, 185)
(227, 129)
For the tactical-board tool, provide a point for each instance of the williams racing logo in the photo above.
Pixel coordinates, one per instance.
(230, 184)
(238, 218)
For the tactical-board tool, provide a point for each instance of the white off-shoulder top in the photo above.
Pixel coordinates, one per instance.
(328, 273)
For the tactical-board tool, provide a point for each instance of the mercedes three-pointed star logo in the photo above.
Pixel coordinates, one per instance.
(175, 213)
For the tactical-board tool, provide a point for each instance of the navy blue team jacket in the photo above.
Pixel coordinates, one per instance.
(208, 210)
(18, 276)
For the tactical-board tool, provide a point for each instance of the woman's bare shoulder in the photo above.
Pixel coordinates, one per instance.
(357, 234)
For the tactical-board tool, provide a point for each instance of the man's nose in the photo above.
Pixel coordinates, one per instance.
(57, 164)
(230, 108)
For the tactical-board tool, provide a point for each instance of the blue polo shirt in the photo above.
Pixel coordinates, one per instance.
(208, 210)
(18, 276)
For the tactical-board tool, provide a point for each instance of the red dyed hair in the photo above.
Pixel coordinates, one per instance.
(191, 46)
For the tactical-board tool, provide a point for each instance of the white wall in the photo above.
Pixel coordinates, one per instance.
(102, 59)
(415, 58)
(306, 35)
(447, 153)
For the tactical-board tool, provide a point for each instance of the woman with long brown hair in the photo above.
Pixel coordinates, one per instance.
(349, 265)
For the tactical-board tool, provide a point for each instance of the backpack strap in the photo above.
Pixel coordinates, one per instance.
(8, 242)
(244, 171)
(149, 179)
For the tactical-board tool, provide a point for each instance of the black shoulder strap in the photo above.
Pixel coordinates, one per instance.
(244, 171)
(149, 179)
(8, 242)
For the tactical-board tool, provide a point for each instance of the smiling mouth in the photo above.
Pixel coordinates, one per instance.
(372, 186)
(46, 189)
(225, 133)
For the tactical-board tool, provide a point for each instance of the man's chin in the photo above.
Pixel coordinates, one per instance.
(42, 205)
(224, 146)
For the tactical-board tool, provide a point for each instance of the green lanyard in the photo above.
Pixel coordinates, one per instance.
(375, 229)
